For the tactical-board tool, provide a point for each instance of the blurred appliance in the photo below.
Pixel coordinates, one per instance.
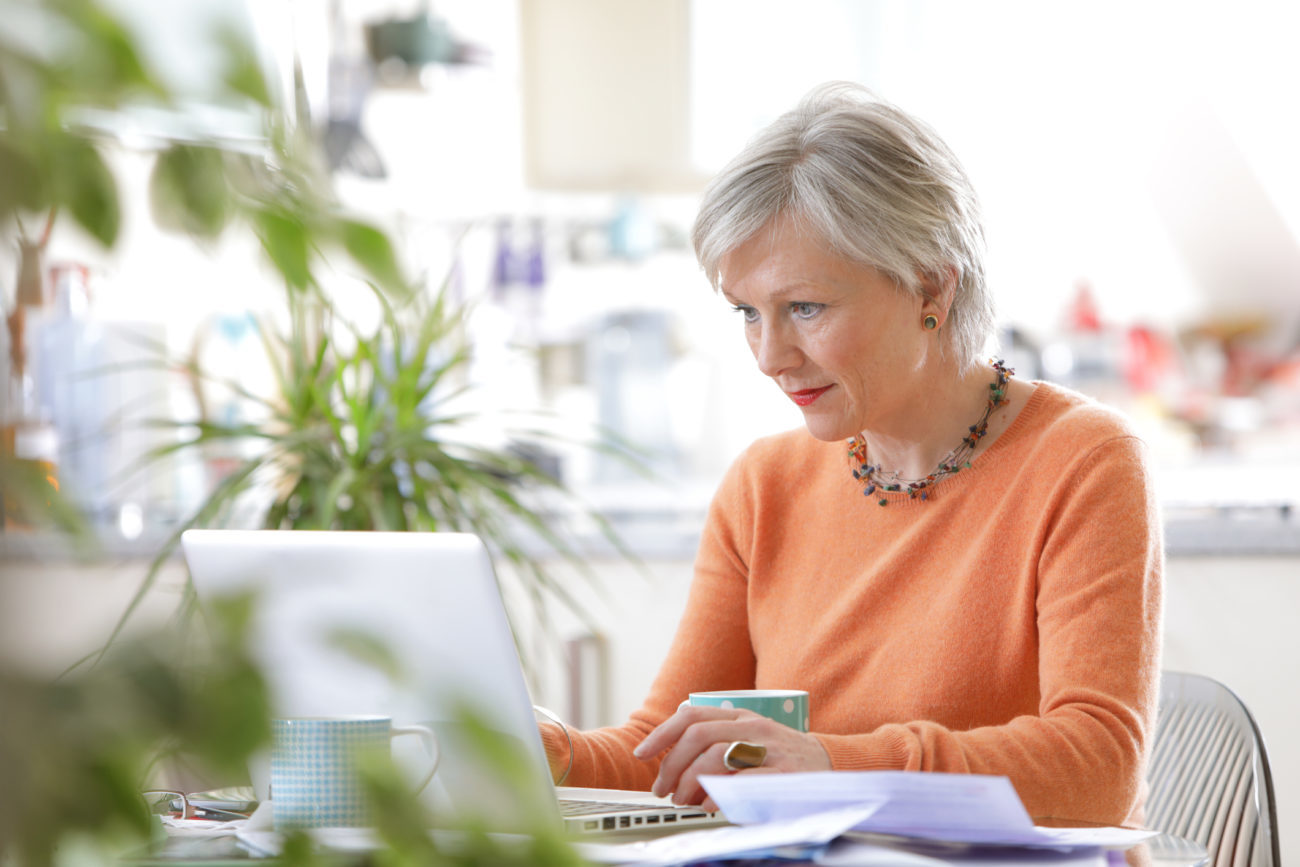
(629, 356)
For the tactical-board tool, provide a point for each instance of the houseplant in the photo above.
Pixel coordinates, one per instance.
(329, 439)
(348, 436)
(366, 429)
(64, 61)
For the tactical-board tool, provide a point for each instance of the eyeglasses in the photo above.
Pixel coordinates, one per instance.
(163, 802)
(168, 802)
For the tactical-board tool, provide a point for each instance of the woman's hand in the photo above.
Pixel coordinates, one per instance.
(697, 737)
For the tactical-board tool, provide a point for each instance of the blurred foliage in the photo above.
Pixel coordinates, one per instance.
(63, 60)
(401, 824)
(58, 57)
(36, 501)
(76, 752)
(358, 436)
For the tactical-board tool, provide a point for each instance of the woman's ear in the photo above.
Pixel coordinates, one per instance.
(938, 289)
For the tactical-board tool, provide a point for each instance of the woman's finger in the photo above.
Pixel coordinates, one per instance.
(687, 790)
(702, 749)
(700, 738)
(667, 733)
(697, 737)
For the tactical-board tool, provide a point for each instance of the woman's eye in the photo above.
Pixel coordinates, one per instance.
(805, 309)
(749, 313)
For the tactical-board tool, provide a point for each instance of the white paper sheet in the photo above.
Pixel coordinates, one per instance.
(812, 830)
(966, 808)
(968, 805)
(1111, 838)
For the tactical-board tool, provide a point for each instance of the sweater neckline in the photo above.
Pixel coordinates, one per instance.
(1023, 419)
(988, 460)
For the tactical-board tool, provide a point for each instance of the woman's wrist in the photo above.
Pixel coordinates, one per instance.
(558, 743)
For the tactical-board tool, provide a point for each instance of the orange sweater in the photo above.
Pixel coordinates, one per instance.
(1009, 625)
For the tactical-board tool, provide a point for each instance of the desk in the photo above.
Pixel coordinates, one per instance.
(190, 851)
(1168, 850)
(1165, 850)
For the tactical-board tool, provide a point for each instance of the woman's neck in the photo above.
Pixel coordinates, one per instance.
(914, 441)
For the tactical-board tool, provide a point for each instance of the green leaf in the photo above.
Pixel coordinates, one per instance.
(231, 714)
(87, 188)
(243, 74)
(371, 249)
(20, 187)
(106, 65)
(287, 242)
(188, 190)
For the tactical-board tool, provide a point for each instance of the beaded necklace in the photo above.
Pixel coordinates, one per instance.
(876, 480)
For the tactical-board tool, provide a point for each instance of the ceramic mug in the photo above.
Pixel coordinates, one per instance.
(788, 706)
(314, 761)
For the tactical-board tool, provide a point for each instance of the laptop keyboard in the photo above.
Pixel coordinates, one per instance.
(589, 808)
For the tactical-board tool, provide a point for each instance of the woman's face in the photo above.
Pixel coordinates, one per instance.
(840, 339)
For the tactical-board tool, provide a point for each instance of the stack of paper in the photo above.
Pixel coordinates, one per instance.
(945, 817)
(962, 808)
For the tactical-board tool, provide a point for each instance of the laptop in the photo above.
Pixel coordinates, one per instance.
(433, 601)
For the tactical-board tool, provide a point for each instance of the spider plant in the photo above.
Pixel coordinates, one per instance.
(370, 428)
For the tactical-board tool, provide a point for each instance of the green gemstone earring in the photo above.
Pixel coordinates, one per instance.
(930, 322)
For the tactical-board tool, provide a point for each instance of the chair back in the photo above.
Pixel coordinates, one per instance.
(1209, 776)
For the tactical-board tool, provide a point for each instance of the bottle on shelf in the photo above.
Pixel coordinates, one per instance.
(29, 441)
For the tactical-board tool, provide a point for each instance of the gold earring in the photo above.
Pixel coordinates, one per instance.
(930, 322)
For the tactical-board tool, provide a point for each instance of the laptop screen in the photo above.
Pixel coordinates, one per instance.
(431, 601)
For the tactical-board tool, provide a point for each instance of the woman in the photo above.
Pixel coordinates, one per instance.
(962, 568)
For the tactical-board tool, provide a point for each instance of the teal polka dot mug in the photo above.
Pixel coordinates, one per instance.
(789, 706)
(314, 763)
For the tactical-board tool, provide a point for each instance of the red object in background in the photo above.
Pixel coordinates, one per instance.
(1148, 359)
(1083, 314)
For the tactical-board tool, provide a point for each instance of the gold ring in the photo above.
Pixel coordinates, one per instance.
(742, 754)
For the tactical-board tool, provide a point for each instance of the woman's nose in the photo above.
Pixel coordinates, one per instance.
(773, 351)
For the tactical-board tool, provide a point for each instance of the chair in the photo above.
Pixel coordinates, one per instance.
(1209, 775)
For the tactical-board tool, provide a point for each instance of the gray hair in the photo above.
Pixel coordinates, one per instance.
(875, 184)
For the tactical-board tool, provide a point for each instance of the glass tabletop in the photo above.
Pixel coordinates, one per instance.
(1162, 850)
(1169, 850)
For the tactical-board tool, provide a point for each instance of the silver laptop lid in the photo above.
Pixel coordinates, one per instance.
(433, 601)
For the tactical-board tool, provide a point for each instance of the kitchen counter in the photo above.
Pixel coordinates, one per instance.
(1259, 530)
(672, 533)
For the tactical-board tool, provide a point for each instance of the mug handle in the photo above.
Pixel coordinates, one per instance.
(430, 744)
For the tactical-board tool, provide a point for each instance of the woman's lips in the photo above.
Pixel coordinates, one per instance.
(808, 395)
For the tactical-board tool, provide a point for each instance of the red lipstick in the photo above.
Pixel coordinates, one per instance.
(808, 395)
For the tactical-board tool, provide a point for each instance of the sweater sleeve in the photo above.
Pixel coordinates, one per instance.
(711, 650)
(1098, 619)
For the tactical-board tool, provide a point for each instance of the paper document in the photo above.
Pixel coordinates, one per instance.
(965, 808)
(854, 853)
(770, 839)
(911, 804)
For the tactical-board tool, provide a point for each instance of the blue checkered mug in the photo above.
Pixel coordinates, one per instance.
(314, 768)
